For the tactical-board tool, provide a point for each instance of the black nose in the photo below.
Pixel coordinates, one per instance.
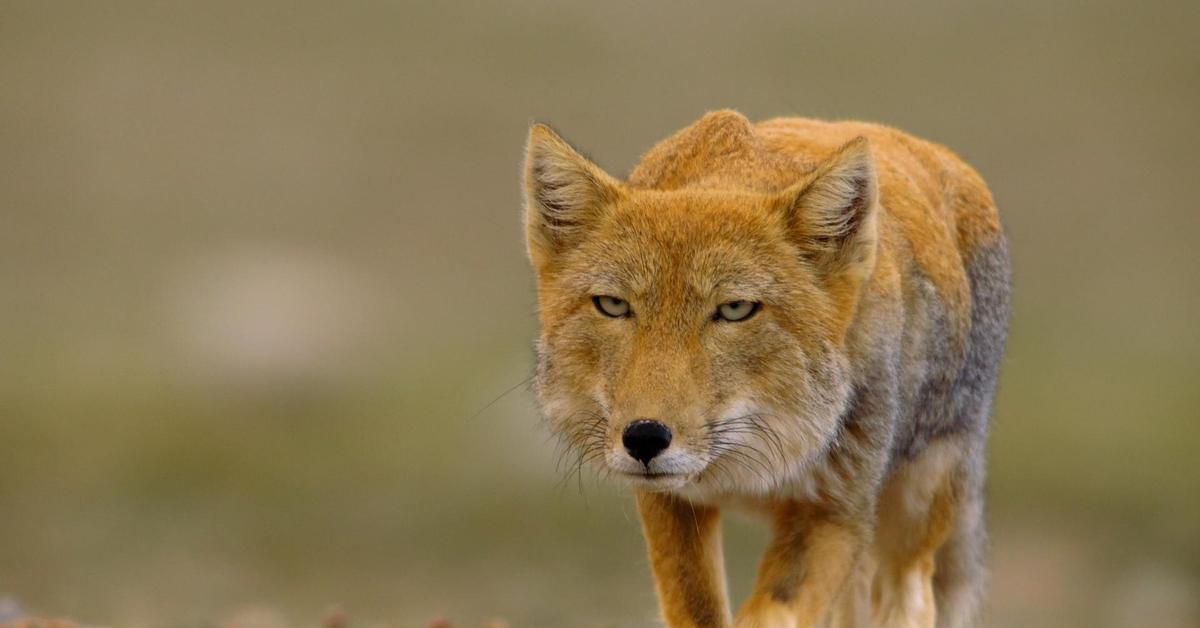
(645, 438)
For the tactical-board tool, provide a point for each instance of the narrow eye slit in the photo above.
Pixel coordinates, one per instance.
(611, 306)
(736, 311)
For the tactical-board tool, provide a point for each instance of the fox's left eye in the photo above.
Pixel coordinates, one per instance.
(736, 311)
(611, 306)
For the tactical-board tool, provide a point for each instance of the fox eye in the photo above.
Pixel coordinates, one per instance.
(611, 306)
(736, 311)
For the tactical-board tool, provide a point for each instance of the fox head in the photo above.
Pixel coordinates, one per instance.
(695, 337)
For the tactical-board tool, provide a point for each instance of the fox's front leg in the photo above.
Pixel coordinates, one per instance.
(807, 564)
(684, 540)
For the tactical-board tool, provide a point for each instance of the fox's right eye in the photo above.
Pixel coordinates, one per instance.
(611, 306)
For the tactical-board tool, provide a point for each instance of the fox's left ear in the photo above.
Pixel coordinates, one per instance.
(832, 212)
(564, 195)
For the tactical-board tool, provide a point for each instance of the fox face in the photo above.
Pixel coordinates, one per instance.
(693, 339)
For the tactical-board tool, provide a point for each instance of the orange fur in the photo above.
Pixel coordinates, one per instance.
(685, 539)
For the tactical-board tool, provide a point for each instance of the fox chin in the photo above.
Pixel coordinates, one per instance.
(801, 318)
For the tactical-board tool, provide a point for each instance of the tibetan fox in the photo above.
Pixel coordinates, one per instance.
(795, 317)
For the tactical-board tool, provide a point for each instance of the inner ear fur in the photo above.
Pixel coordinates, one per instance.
(564, 194)
(831, 213)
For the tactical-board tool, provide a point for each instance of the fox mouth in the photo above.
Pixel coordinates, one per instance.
(675, 465)
(652, 475)
(655, 480)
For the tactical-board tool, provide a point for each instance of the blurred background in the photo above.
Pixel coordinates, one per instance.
(262, 273)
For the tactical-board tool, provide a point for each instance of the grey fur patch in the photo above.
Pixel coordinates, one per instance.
(991, 291)
(956, 394)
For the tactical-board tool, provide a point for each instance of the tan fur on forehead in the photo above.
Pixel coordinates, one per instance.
(711, 243)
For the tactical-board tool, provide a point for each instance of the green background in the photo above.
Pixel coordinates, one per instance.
(261, 266)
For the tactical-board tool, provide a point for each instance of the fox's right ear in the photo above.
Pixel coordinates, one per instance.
(831, 213)
(564, 194)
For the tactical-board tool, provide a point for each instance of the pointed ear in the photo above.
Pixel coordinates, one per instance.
(831, 213)
(564, 194)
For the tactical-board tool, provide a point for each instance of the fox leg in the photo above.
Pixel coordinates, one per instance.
(853, 608)
(684, 540)
(804, 570)
(918, 511)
